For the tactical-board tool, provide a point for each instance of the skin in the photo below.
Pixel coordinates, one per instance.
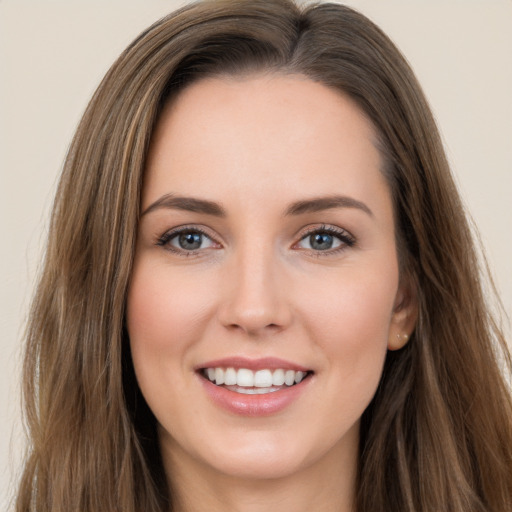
(256, 287)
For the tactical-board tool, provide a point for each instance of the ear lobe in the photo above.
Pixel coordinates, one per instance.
(405, 315)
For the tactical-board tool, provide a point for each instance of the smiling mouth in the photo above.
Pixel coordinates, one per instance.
(250, 382)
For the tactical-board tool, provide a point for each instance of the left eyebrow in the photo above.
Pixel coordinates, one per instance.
(318, 204)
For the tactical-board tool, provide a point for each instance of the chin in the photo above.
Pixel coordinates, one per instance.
(268, 461)
(272, 455)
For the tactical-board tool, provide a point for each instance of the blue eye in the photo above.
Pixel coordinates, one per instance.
(186, 240)
(325, 239)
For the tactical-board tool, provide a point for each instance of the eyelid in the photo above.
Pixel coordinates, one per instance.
(346, 238)
(170, 234)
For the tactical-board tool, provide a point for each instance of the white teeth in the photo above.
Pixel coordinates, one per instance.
(251, 391)
(219, 376)
(289, 377)
(230, 377)
(264, 380)
(278, 378)
(245, 378)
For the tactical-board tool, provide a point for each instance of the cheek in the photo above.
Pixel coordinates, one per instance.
(163, 308)
(357, 299)
(349, 320)
(148, 312)
(163, 319)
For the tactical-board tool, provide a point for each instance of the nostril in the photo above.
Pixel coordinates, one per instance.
(255, 324)
(254, 303)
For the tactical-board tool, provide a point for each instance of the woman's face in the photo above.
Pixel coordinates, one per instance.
(266, 253)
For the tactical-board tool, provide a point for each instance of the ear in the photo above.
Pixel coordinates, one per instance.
(405, 314)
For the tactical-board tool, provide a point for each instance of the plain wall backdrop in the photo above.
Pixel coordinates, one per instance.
(53, 54)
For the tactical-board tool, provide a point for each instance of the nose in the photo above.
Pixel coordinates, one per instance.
(254, 297)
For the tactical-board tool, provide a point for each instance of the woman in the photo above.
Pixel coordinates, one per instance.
(260, 289)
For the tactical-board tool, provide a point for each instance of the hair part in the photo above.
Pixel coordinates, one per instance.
(438, 433)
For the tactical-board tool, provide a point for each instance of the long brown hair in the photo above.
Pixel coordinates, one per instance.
(437, 435)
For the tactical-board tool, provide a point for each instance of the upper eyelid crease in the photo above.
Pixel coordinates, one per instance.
(342, 234)
(186, 229)
(333, 230)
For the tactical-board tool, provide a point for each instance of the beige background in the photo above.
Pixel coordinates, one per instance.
(53, 54)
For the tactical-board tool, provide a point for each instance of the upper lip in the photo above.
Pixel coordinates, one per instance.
(262, 363)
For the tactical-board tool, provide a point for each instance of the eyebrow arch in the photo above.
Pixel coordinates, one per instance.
(318, 204)
(190, 204)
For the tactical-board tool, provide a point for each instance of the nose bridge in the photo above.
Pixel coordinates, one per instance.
(255, 300)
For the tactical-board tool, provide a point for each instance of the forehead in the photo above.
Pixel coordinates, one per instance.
(261, 134)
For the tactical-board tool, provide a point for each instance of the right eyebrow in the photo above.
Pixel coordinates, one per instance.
(190, 204)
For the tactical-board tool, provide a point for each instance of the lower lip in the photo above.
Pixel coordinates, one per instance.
(254, 405)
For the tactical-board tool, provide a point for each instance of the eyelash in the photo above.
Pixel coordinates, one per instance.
(347, 240)
(164, 240)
